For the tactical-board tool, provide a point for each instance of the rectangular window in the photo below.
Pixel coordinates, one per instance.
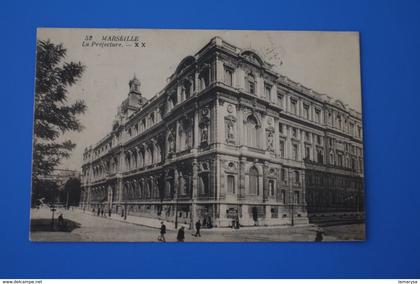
(317, 115)
(297, 177)
(267, 91)
(228, 76)
(296, 197)
(281, 146)
(351, 128)
(294, 132)
(295, 152)
(320, 157)
(251, 86)
(318, 139)
(271, 189)
(231, 184)
(283, 196)
(293, 106)
(340, 160)
(274, 212)
(280, 99)
(307, 153)
(306, 111)
(283, 174)
(280, 128)
(307, 137)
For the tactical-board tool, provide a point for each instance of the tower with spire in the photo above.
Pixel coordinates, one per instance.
(135, 99)
(134, 85)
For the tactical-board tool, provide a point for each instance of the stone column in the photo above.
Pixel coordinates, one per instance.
(273, 99)
(177, 138)
(240, 78)
(120, 189)
(302, 145)
(260, 86)
(219, 70)
(176, 187)
(196, 128)
(194, 192)
(241, 191)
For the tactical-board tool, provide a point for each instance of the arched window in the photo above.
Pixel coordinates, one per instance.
(158, 154)
(253, 181)
(204, 78)
(152, 119)
(251, 127)
(203, 186)
(186, 89)
(128, 161)
(141, 192)
(125, 193)
(182, 185)
(148, 189)
(135, 162)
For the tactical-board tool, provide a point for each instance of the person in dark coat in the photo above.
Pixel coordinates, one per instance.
(319, 235)
(181, 234)
(162, 233)
(197, 228)
(60, 222)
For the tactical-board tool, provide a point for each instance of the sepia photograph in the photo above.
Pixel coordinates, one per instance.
(148, 135)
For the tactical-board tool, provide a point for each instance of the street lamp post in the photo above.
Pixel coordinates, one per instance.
(67, 200)
(125, 210)
(176, 208)
(291, 199)
(52, 216)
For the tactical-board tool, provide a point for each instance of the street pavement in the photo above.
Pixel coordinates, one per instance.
(92, 228)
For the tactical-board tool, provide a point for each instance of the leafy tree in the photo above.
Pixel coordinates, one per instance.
(44, 191)
(54, 115)
(71, 192)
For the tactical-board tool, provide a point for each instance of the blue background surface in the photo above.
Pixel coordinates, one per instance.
(390, 43)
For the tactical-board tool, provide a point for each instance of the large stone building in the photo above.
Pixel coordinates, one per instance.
(228, 139)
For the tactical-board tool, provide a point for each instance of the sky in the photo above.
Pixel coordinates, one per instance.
(327, 62)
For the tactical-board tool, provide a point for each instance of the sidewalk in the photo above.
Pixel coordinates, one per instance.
(156, 223)
(137, 220)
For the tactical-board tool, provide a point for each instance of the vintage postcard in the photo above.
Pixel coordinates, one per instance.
(197, 136)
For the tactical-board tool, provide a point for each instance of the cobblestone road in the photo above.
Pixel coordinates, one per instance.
(94, 228)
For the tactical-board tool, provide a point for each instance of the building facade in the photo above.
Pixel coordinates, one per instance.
(228, 139)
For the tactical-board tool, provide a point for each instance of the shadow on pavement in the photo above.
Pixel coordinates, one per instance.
(44, 225)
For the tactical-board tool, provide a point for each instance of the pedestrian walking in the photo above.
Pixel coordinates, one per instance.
(197, 228)
(319, 235)
(255, 215)
(161, 238)
(181, 234)
(60, 222)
